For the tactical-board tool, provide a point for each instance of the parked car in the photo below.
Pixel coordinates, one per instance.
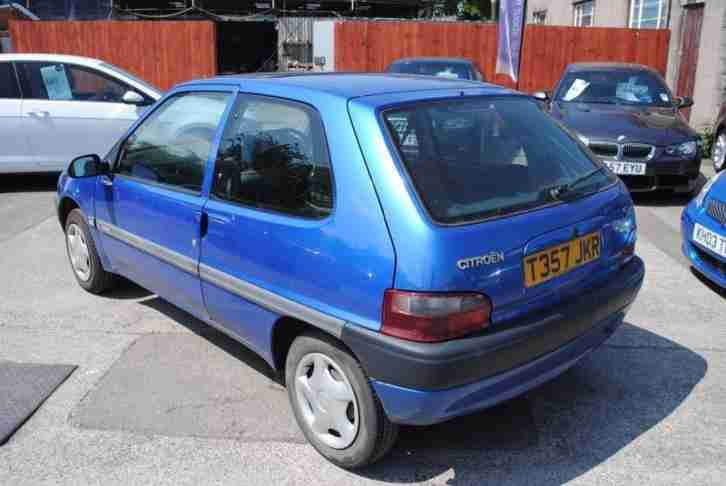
(401, 250)
(445, 67)
(56, 107)
(628, 117)
(718, 150)
(703, 228)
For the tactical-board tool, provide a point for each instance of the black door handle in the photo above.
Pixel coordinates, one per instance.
(203, 225)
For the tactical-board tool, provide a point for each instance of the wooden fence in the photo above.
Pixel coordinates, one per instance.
(546, 50)
(161, 53)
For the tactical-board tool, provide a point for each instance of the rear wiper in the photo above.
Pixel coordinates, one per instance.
(556, 192)
(570, 186)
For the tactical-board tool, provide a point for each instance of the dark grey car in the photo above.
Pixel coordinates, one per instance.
(629, 118)
(447, 67)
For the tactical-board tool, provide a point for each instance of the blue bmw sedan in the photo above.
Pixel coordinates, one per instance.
(703, 227)
(401, 250)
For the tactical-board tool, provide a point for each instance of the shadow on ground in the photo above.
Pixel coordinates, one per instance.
(28, 182)
(560, 430)
(551, 435)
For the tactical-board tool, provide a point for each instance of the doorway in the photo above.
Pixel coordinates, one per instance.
(246, 47)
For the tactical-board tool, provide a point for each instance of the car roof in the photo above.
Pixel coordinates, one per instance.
(87, 61)
(350, 85)
(608, 66)
(452, 60)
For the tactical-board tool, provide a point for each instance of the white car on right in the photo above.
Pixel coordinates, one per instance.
(54, 108)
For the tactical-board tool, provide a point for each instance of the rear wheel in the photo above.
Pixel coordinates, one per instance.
(334, 404)
(82, 255)
(718, 151)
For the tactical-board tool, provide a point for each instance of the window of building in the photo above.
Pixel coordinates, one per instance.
(539, 17)
(273, 156)
(649, 14)
(584, 13)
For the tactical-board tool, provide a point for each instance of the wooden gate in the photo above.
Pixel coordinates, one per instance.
(691, 25)
(161, 53)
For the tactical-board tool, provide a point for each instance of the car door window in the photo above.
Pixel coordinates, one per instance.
(273, 156)
(8, 82)
(172, 145)
(69, 82)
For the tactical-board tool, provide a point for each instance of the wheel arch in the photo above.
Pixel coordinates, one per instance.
(65, 206)
(284, 332)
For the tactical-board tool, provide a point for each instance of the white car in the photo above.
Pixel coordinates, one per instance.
(54, 108)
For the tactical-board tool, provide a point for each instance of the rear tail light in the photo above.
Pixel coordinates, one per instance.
(431, 317)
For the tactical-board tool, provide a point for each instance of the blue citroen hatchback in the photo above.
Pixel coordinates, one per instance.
(703, 228)
(402, 250)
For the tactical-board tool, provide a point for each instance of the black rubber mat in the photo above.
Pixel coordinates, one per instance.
(23, 388)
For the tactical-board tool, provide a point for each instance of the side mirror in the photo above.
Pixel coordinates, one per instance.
(541, 95)
(88, 166)
(683, 102)
(133, 98)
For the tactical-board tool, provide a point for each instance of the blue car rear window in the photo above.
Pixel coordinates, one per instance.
(476, 158)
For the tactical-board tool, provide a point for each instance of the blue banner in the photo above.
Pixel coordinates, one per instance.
(509, 41)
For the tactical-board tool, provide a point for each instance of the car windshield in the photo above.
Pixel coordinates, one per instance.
(614, 87)
(475, 158)
(454, 70)
(120, 71)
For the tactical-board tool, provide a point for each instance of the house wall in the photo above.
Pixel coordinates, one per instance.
(711, 70)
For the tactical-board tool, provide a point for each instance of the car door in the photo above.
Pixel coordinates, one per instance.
(72, 110)
(269, 207)
(15, 152)
(149, 210)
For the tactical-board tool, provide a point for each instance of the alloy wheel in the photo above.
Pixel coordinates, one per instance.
(719, 152)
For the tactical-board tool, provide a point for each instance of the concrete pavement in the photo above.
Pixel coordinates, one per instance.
(159, 398)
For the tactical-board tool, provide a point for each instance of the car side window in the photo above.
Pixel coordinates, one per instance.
(172, 145)
(273, 156)
(68, 82)
(91, 85)
(8, 82)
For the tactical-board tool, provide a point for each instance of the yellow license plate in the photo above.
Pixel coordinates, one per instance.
(558, 260)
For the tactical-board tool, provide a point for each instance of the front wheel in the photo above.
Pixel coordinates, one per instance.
(83, 257)
(718, 151)
(334, 404)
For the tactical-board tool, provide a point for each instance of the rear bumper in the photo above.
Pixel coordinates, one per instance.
(666, 174)
(428, 383)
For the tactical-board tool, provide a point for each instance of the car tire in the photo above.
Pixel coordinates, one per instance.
(83, 257)
(323, 378)
(718, 151)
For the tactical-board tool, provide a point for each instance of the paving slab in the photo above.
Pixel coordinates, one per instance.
(185, 385)
(23, 388)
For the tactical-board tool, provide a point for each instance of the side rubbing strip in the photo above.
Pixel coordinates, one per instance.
(180, 261)
(270, 300)
(263, 298)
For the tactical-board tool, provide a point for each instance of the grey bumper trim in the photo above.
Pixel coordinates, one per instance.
(271, 301)
(171, 257)
(257, 295)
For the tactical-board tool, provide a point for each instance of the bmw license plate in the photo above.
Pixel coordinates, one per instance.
(561, 259)
(713, 241)
(625, 168)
